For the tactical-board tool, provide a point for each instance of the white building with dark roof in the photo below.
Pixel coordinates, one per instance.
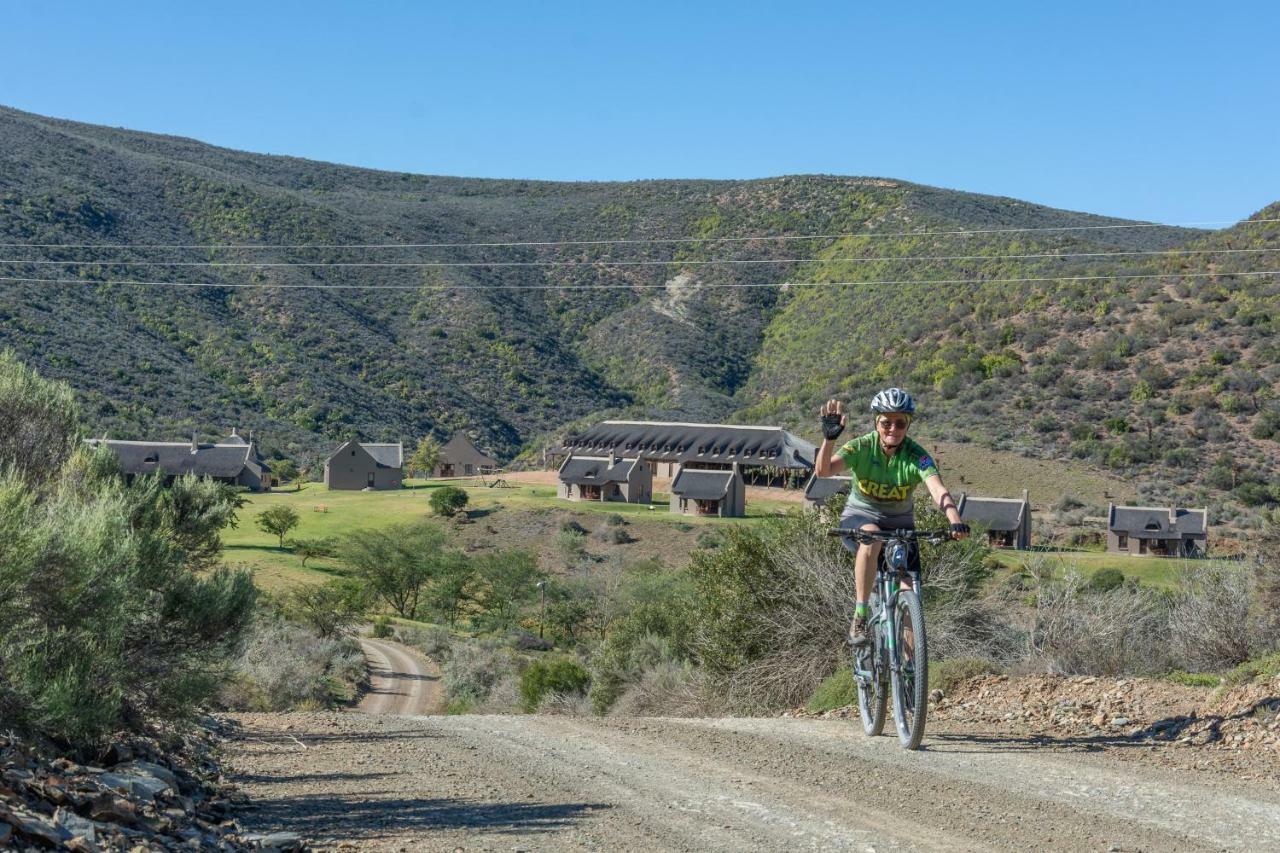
(605, 478)
(234, 460)
(698, 491)
(1162, 531)
(360, 465)
(1006, 520)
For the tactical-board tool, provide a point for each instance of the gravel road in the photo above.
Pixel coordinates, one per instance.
(568, 783)
(400, 681)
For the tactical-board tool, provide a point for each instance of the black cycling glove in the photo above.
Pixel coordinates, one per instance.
(960, 527)
(831, 427)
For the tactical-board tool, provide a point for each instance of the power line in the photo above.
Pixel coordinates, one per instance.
(635, 263)
(779, 284)
(629, 241)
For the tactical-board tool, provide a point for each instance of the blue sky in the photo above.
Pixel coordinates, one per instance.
(1165, 111)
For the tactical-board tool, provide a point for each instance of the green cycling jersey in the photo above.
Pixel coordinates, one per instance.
(883, 484)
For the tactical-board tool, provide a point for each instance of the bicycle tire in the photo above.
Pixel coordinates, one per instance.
(873, 699)
(911, 680)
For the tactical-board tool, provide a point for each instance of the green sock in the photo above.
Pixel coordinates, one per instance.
(862, 609)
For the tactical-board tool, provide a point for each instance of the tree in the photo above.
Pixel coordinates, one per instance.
(396, 562)
(330, 609)
(286, 470)
(509, 580)
(278, 520)
(447, 500)
(310, 548)
(426, 456)
(450, 590)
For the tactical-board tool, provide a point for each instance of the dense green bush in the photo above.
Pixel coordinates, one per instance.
(558, 675)
(447, 500)
(115, 611)
(1105, 580)
(836, 691)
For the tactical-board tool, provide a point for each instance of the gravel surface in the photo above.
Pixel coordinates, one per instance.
(569, 783)
(400, 681)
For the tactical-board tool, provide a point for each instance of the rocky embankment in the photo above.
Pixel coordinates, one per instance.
(139, 794)
(1236, 730)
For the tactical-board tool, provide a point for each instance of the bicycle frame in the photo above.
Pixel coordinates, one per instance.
(893, 569)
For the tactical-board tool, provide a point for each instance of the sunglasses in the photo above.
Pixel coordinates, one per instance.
(895, 423)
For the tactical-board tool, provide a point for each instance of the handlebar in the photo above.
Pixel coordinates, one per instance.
(866, 537)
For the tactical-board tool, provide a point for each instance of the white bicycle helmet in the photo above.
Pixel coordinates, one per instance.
(893, 400)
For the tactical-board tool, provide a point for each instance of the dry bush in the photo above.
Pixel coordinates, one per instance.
(1078, 632)
(285, 667)
(667, 689)
(964, 616)
(433, 641)
(473, 669)
(565, 705)
(503, 697)
(1221, 619)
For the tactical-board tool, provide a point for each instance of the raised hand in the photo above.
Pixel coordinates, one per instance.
(833, 419)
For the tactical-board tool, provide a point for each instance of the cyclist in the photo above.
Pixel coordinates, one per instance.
(885, 467)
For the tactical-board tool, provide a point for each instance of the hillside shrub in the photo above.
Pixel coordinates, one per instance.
(948, 674)
(1105, 580)
(447, 500)
(382, 627)
(837, 690)
(559, 675)
(473, 668)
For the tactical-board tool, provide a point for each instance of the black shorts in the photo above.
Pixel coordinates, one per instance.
(855, 518)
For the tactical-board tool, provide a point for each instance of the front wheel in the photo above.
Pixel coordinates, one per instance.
(911, 678)
(873, 698)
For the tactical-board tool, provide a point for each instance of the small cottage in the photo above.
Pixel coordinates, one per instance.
(709, 492)
(1158, 531)
(1006, 520)
(356, 465)
(605, 478)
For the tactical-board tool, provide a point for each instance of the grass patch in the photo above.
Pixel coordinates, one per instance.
(947, 675)
(1258, 669)
(837, 691)
(1192, 679)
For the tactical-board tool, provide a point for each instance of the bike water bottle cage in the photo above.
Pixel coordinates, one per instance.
(831, 427)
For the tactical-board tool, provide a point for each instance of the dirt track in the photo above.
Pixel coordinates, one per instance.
(561, 783)
(401, 682)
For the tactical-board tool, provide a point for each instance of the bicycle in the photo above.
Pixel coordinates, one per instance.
(897, 659)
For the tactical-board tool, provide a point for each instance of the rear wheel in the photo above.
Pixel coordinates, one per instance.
(873, 698)
(911, 681)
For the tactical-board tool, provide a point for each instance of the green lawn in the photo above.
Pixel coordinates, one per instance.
(1156, 571)
(326, 514)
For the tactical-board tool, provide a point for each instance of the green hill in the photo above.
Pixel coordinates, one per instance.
(1153, 379)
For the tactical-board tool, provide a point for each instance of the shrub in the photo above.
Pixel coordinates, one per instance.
(569, 525)
(382, 627)
(1121, 632)
(473, 668)
(1192, 679)
(1216, 622)
(614, 535)
(447, 500)
(558, 675)
(836, 691)
(1105, 580)
(285, 667)
(668, 689)
(1262, 669)
(434, 642)
(615, 519)
(115, 612)
(948, 674)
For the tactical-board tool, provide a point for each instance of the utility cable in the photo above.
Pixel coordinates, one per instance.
(779, 284)
(638, 263)
(871, 235)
